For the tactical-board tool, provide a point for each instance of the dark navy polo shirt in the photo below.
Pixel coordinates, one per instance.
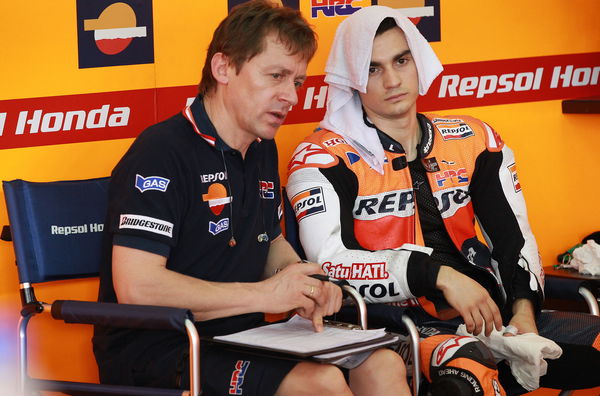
(181, 192)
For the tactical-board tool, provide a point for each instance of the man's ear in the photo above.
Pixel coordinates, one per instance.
(219, 65)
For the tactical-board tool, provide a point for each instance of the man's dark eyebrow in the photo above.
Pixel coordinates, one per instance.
(400, 55)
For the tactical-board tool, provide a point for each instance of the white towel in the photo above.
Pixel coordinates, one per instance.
(347, 71)
(525, 353)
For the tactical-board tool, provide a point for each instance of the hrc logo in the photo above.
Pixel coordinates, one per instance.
(331, 8)
(266, 189)
(237, 377)
(460, 175)
(308, 202)
(151, 183)
(425, 14)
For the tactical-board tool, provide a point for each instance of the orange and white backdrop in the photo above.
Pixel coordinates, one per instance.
(79, 79)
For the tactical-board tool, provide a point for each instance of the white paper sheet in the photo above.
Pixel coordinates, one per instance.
(297, 335)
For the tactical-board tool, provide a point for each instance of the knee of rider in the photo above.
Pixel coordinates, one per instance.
(327, 379)
(386, 362)
(461, 364)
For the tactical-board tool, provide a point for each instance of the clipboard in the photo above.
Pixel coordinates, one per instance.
(347, 347)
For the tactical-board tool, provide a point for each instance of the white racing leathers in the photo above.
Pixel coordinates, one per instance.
(363, 226)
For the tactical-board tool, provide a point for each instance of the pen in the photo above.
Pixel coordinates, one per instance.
(325, 278)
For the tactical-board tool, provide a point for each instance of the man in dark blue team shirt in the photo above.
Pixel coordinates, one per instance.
(194, 222)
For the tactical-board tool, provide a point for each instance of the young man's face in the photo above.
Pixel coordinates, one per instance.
(265, 89)
(393, 85)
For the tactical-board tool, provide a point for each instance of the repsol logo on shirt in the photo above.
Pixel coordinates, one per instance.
(146, 223)
(213, 177)
(449, 201)
(398, 203)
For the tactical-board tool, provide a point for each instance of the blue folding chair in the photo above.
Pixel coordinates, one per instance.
(57, 232)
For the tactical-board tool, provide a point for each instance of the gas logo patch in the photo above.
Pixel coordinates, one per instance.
(114, 33)
(308, 202)
(512, 168)
(218, 227)
(217, 198)
(151, 183)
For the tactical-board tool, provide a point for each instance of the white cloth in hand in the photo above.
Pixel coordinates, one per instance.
(525, 353)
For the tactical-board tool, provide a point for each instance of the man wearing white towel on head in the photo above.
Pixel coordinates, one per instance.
(388, 198)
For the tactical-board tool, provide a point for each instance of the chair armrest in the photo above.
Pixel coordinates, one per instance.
(121, 315)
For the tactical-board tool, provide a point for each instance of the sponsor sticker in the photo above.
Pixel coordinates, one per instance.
(450, 200)
(457, 176)
(425, 14)
(267, 189)
(213, 177)
(431, 164)
(357, 271)
(114, 33)
(455, 131)
(330, 8)
(217, 198)
(157, 183)
(145, 223)
(219, 226)
(398, 203)
(308, 202)
(237, 377)
(512, 168)
(333, 142)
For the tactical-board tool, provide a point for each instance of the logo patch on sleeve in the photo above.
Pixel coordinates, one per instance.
(151, 183)
(266, 189)
(218, 227)
(512, 168)
(145, 223)
(308, 202)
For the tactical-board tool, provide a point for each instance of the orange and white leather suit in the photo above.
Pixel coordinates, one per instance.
(363, 226)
